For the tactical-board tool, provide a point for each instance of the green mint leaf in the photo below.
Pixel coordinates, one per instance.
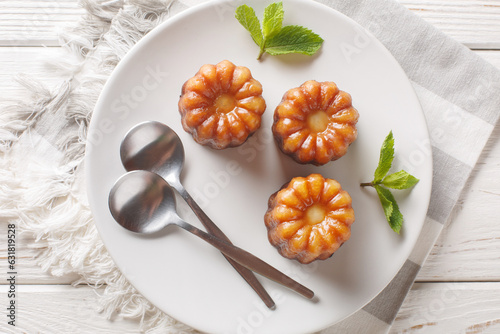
(273, 20)
(273, 38)
(391, 209)
(294, 39)
(386, 203)
(400, 180)
(246, 16)
(386, 157)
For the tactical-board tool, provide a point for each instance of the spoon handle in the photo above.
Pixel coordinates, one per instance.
(213, 229)
(248, 260)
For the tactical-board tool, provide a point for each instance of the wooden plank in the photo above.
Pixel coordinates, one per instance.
(36, 22)
(60, 309)
(26, 60)
(27, 267)
(29, 61)
(430, 308)
(476, 23)
(436, 308)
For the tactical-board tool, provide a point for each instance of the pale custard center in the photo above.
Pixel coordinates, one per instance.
(318, 121)
(315, 214)
(225, 103)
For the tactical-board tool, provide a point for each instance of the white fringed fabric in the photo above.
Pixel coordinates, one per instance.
(46, 197)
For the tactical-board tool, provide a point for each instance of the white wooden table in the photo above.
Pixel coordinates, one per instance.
(457, 290)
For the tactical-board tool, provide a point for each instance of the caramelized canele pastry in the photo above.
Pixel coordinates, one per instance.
(315, 123)
(221, 105)
(309, 218)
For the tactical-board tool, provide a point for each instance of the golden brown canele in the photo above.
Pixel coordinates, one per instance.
(222, 105)
(315, 123)
(309, 218)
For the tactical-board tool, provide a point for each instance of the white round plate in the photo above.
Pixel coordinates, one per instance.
(188, 279)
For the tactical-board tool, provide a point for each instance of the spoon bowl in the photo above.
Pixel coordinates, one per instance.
(142, 203)
(155, 147)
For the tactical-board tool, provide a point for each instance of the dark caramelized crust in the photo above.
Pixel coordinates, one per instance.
(221, 105)
(315, 123)
(309, 218)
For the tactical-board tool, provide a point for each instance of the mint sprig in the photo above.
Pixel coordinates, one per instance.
(273, 38)
(382, 181)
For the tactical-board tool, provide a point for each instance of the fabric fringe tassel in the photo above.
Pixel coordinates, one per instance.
(42, 148)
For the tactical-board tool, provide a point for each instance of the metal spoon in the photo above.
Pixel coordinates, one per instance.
(143, 202)
(155, 147)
